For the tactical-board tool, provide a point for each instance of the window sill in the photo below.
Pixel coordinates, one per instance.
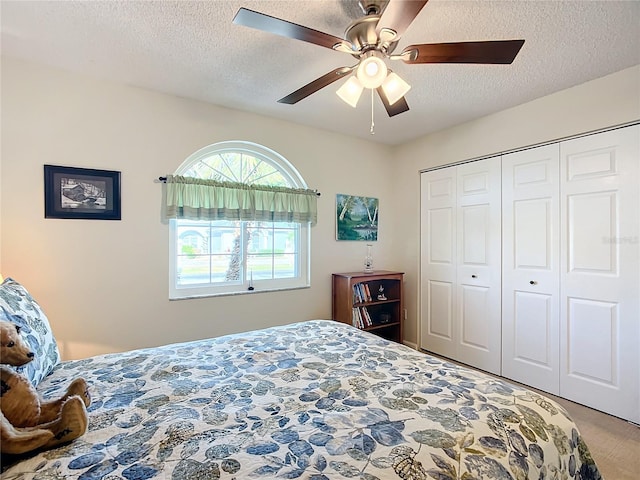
(244, 292)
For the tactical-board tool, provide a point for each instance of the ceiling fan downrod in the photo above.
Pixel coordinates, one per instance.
(372, 7)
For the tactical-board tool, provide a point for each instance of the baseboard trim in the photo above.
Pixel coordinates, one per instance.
(410, 344)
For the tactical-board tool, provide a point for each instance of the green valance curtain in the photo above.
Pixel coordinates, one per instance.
(197, 199)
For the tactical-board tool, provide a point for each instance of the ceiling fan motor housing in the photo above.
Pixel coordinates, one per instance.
(362, 34)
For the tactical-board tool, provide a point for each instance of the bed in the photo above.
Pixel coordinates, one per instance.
(314, 400)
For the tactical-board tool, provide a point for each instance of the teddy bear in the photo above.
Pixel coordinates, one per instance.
(27, 421)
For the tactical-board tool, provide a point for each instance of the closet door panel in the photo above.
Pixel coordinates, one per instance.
(592, 327)
(440, 313)
(474, 311)
(530, 267)
(438, 260)
(533, 234)
(478, 268)
(600, 281)
(475, 235)
(532, 320)
(588, 251)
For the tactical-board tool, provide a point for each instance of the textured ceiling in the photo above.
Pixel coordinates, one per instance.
(192, 49)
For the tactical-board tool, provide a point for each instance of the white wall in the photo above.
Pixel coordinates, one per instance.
(605, 102)
(104, 284)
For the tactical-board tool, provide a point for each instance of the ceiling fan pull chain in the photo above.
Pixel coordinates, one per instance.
(372, 124)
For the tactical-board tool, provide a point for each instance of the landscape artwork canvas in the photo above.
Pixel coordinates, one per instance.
(356, 218)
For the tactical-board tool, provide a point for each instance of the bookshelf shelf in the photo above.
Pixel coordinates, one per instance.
(355, 301)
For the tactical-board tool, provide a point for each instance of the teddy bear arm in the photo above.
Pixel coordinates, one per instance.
(16, 441)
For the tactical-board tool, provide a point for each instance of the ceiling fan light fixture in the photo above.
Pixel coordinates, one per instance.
(395, 88)
(350, 91)
(371, 72)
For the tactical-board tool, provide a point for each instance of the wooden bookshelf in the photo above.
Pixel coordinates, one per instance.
(355, 301)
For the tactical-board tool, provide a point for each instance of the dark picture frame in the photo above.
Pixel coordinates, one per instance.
(83, 193)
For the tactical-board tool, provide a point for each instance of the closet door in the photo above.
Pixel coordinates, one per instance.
(600, 280)
(460, 263)
(478, 273)
(438, 261)
(530, 267)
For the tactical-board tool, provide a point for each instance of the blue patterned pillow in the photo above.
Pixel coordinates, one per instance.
(17, 306)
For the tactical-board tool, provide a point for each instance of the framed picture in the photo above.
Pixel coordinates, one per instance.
(86, 193)
(356, 218)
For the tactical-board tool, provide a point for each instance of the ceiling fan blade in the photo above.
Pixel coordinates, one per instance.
(267, 23)
(497, 51)
(398, 15)
(400, 106)
(316, 85)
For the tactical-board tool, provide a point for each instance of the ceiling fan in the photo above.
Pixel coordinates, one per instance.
(372, 39)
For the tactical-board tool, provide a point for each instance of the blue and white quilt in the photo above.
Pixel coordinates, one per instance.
(312, 400)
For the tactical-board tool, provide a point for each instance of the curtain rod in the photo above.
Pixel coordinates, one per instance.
(164, 180)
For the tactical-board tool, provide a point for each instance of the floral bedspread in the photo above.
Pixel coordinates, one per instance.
(314, 400)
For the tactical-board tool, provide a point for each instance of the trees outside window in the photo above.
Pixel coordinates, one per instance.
(228, 257)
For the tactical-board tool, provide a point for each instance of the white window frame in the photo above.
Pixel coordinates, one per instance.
(302, 280)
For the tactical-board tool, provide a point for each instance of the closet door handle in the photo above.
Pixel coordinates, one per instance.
(533, 282)
(474, 276)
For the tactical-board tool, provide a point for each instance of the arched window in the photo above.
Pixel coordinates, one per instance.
(233, 256)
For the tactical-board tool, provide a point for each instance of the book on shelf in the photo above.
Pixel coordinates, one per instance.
(361, 293)
(357, 318)
(367, 292)
(367, 317)
(360, 317)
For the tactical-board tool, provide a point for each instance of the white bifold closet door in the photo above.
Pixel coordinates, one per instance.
(530, 267)
(600, 271)
(460, 257)
(560, 310)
